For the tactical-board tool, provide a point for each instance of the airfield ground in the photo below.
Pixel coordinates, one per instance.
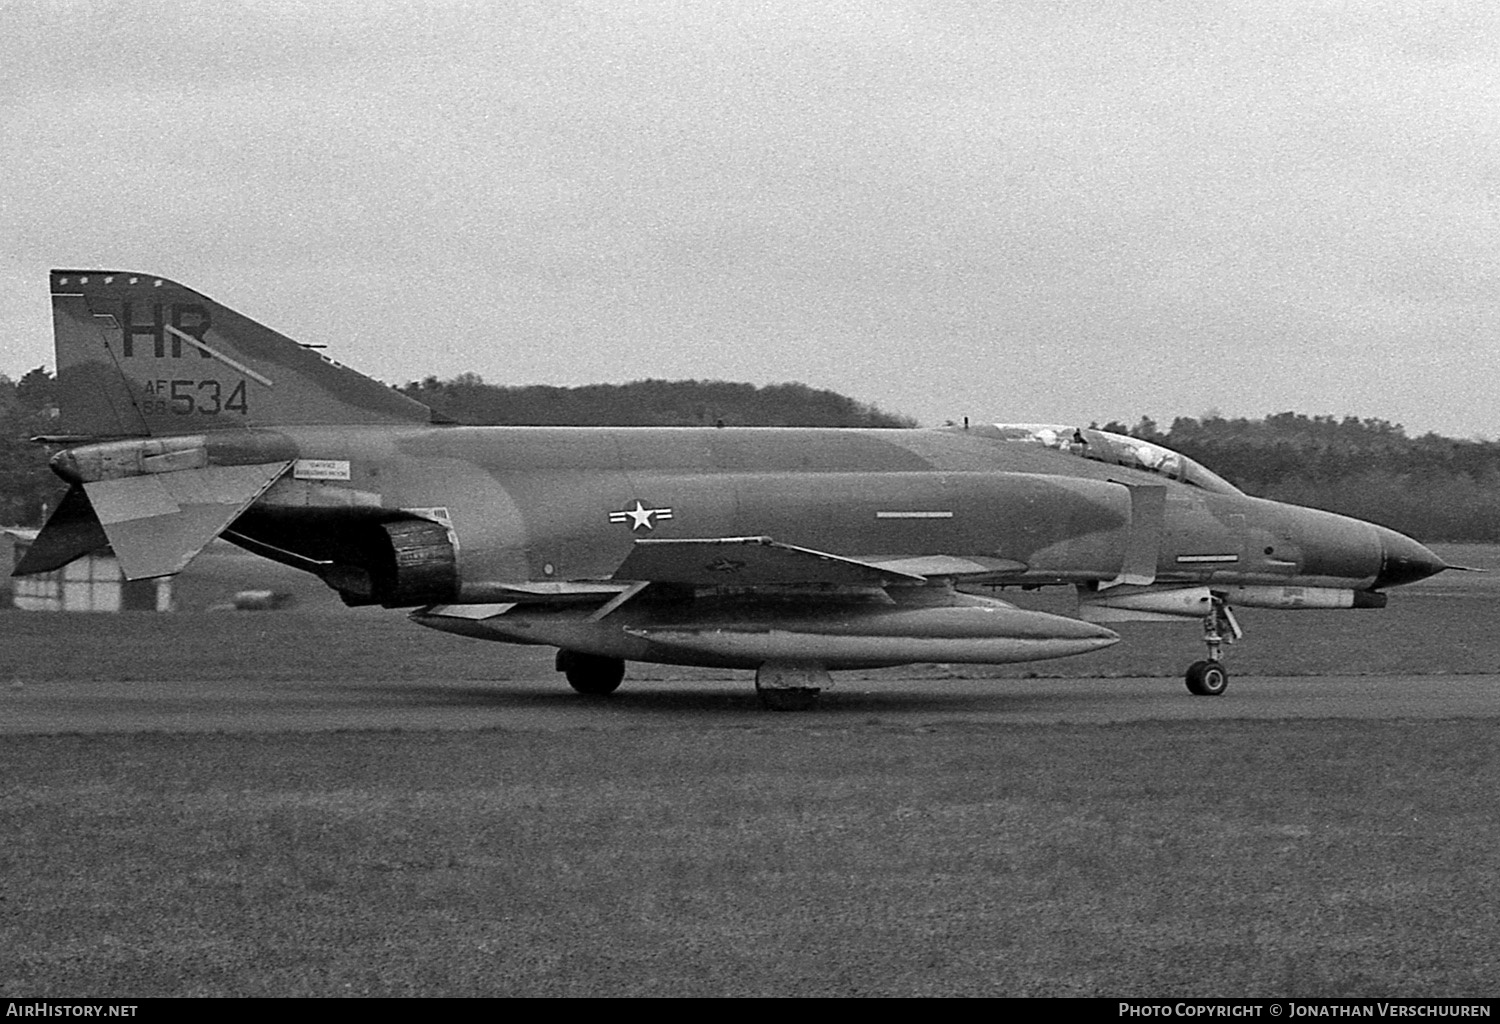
(327, 802)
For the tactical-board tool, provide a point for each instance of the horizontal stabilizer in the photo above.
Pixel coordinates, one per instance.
(72, 531)
(749, 561)
(158, 522)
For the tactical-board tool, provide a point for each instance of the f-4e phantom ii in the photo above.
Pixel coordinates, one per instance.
(790, 552)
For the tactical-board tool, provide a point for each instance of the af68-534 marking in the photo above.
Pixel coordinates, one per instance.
(185, 396)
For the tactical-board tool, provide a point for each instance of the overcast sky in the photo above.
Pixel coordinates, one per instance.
(1013, 211)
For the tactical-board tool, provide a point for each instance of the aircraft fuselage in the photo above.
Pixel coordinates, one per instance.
(568, 504)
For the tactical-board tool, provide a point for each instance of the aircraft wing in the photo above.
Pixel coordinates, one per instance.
(750, 561)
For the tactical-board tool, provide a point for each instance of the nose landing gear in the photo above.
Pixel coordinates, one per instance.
(1209, 678)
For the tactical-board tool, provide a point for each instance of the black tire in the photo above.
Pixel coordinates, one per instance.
(1207, 678)
(592, 674)
(797, 698)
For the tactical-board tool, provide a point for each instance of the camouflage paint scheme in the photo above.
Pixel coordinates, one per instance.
(789, 551)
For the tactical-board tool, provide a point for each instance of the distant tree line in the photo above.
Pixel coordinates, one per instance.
(1434, 488)
(27, 487)
(1431, 487)
(646, 403)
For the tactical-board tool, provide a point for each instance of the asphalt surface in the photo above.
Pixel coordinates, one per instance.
(547, 703)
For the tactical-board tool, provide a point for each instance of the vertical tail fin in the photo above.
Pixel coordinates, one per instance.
(141, 355)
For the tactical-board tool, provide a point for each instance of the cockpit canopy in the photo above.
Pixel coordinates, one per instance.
(1118, 450)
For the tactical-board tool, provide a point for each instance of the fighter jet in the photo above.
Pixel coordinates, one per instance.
(788, 552)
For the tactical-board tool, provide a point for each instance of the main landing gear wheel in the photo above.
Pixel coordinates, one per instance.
(591, 674)
(1207, 678)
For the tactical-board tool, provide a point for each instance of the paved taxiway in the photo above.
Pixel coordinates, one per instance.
(240, 706)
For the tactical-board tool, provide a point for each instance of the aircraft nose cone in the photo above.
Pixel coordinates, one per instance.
(1403, 560)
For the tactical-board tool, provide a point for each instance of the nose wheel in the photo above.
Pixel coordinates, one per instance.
(1209, 678)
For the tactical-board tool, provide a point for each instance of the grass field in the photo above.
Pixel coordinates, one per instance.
(1271, 859)
(753, 854)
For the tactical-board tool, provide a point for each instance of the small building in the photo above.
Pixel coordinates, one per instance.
(93, 583)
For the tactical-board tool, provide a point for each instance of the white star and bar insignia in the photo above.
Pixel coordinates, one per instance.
(640, 516)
